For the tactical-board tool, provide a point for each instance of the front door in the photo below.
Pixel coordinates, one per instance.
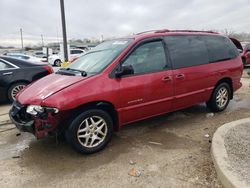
(149, 91)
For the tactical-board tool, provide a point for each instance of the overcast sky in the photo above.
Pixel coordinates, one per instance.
(93, 18)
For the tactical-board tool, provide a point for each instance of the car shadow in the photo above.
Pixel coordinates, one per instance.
(49, 156)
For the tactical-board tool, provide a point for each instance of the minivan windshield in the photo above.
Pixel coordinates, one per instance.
(101, 56)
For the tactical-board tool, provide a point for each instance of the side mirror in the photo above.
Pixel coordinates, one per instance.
(125, 70)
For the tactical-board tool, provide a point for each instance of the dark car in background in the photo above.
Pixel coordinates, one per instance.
(15, 74)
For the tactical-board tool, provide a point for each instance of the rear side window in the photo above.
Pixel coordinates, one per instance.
(220, 48)
(186, 51)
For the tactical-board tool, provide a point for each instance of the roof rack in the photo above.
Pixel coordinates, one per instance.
(197, 31)
(167, 30)
(149, 31)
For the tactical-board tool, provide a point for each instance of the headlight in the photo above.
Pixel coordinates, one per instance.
(36, 109)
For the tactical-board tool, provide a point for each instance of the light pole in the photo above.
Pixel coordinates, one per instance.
(42, 41)
(21, 32)
(65, 49)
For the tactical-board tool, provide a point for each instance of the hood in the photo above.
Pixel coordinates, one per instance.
(36, 92)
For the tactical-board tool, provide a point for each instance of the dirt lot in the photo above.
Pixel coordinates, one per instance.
(169, 151)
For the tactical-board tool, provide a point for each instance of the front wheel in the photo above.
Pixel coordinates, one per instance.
(90, 132)
(220, 98)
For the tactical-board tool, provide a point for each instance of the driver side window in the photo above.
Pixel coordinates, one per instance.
(149, 57)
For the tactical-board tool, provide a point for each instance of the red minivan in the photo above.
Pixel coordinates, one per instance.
(129, 79)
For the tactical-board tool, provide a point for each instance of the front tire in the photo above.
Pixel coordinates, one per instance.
(220, 98)
(15, 89)
(90, 132)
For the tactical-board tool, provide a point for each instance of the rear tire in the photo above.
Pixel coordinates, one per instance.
(15, 89)
(90, 131)
(57, 63)
(220, 98)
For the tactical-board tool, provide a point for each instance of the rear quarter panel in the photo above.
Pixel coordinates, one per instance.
(231, 69)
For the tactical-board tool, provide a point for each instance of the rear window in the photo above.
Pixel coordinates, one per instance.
(186, 51)
(220, 48)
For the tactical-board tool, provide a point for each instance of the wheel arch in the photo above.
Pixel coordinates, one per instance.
(229, 81)
(103, 105)
(57, 59)
(18, 81)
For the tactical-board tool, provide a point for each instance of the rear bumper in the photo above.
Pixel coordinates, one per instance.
(237, 86)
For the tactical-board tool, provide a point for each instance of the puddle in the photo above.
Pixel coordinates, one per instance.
(15, 146)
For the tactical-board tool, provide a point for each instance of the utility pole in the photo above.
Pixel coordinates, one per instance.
(21, 32)
(42, 40)
(65, 46)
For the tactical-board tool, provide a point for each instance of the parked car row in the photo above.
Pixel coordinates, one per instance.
(55, 59)
(127, 80)
(26, 57)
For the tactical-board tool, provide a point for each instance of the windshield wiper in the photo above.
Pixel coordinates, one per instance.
(83, 73)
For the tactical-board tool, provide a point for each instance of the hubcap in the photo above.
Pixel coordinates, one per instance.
(92, 131)
(222, 97)
(16, 90)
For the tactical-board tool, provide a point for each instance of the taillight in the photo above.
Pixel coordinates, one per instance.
(49, 69)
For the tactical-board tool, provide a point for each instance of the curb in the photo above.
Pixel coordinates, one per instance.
(220, 157)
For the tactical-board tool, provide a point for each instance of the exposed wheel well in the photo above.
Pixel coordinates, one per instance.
(103, 105)
(229, 82)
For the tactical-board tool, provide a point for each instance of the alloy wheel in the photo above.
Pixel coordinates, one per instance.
(16, 90)
(222, 97)
(92, 131)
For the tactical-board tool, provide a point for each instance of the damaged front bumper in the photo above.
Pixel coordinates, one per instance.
(39, 125)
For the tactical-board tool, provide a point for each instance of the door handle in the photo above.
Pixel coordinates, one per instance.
(167, 79)
(180, 76)
(7, 73)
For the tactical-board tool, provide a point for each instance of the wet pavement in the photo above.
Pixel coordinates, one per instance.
(169, 151)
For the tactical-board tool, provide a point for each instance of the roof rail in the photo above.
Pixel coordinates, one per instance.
(152, 31)
(198, 31)
(167, 30)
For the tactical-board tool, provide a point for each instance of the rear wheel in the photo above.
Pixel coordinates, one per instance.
(220, 97)
(15, 89)
(57, 63)
(90, 132)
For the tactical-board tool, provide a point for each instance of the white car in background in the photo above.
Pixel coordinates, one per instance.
(25, 57)
(55, 59)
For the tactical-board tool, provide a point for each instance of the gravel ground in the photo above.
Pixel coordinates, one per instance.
(237, 142)
(171, 150)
